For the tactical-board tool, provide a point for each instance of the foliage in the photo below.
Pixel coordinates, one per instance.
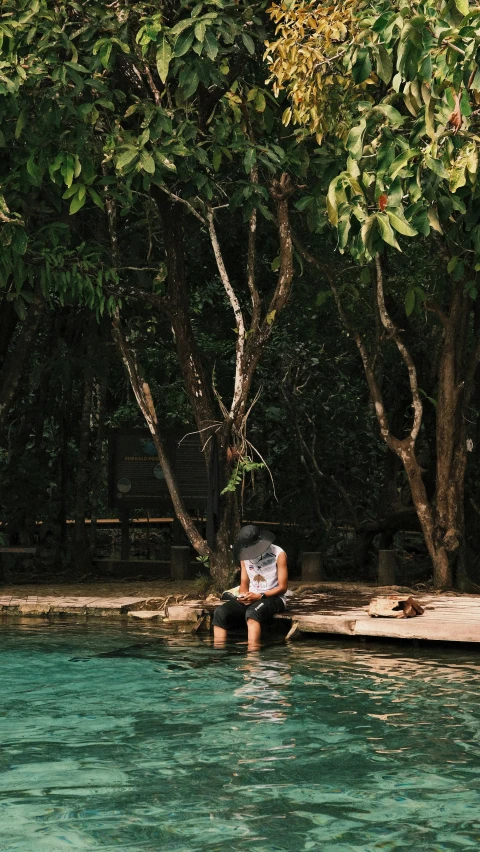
(242, 467)
(410, 80)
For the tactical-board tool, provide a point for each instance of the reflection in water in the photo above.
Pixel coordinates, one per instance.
(264, 685)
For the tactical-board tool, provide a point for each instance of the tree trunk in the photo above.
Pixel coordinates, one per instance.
(450, 432)
(62, 480)
(8, 324)
(18, 356)
(98, 460)
(80, 548)
(442, 576)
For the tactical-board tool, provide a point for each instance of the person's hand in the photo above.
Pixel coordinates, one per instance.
(249, 598)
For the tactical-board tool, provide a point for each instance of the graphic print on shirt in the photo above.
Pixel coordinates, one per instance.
(262, 572)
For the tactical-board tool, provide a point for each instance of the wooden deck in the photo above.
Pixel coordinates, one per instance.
(447, 618)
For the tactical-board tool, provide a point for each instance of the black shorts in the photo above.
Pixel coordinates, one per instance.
(233, 614)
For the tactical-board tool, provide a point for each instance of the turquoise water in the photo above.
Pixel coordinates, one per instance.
(122, 739)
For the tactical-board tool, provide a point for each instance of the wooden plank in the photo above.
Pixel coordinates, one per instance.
(319, 623)
(417, 628)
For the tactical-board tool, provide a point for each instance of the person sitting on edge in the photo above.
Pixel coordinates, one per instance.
(263, 584)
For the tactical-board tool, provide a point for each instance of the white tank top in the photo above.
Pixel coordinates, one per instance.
(262, 572)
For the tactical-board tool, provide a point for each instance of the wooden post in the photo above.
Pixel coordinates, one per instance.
(312, 567)
(125, 545)
(180, 563)
(386, 567)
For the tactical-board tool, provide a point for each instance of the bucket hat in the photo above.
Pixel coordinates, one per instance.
(251, 542)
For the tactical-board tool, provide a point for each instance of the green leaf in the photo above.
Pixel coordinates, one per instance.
(211, 45)
(304, 202)
(164, 55)
(126, 158)
(400, 162)
(76, 67)
(77, 203)
(432, 214)
(104, 53)
(462, 6)
(384, 64)
(216, 160)
(180, 26)
(332, 208)
(249, 43)
(452, 263)
(386, 230)
(165, 161)
(68, 169)
(436, 166)
(34, 170)
(395, 118)
(188, 81)
(147, 162)
(20, 241)
(20, 124)
(260, 102)
(184, 43)
(430, 119)
(95, 197)
(355, 140)
(410, 299)
(401, 225)
(70, 192)
(200, 31)
(367, 231)
(362, 68)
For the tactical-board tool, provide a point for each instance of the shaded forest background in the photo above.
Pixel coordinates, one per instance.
(150, 185)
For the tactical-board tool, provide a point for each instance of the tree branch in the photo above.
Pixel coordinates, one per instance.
(280, 192)
(232, 297)
(251, 259)
(185, 202)
(431, 305)
(407, 358)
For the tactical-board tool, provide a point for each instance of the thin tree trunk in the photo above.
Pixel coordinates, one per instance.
(18, 355)
(64, 430)
(8, 324)
(80, 549)
(98, 459)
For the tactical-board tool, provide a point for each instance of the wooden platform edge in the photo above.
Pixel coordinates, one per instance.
(353, 624)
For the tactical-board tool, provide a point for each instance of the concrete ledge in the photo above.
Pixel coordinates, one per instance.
(147, 614)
